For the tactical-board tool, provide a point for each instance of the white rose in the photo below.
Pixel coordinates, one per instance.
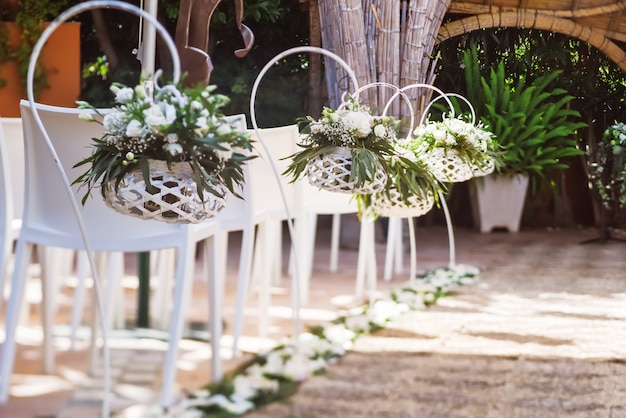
(134, 129)
(124, 95)
(380, 131)
(195, 105)
(157, 116)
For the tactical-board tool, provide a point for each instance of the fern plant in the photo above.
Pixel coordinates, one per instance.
(533, 123)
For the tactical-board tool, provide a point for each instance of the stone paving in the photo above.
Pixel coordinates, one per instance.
(519, 267)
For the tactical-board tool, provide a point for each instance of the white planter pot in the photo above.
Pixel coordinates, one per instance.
(497, 201)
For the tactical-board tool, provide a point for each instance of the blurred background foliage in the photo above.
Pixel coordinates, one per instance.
(277, 26)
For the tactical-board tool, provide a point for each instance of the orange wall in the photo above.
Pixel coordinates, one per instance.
(60, 57)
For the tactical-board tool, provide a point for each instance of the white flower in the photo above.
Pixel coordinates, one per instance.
(244, 386)
(247, 385)
(173, 149)
(195, 105)
(357, 323)
(140, 91)
(202, 125)
(124, 95)
(299, 367)
(224, 129)
(226, 154)
(358, 122)
(159, 115)
(316, 128)
(134, 129)
(380, 131)
(114, 123)
(440, 136)
(86, 116)
(236, 405)
(340, 335)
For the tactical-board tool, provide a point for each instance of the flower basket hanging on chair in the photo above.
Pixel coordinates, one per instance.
(455, 150)
(345, 150)
(332, 171)
(171, 157)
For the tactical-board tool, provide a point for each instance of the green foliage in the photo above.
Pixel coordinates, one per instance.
(532, 122)
(607, 171)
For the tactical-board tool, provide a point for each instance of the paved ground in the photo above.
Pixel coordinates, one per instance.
(541, 334)
(546, 307)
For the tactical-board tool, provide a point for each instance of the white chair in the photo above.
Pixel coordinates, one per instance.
(11, 190)
(322, 202)
(49, 220)
(267, 213)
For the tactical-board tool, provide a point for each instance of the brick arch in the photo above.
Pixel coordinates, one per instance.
(534, 19)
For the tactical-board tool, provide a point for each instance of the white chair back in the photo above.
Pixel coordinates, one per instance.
(266, 195)
(48, 208)
(49, 219)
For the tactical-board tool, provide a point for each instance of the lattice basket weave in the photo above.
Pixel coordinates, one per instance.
(483, 169)
(174, 199)
(331, 171)
(447, 166)
(392, 205)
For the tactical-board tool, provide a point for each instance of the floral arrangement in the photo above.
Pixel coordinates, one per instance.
(173, 125)
(275, 374)
(473, 144)
(607, 172)
(353, 126)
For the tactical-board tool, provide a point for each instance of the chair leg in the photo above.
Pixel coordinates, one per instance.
(23, 254)
(399, 259)
(334, 243)
(392, 248)
(163, 285)
(243, 281)
(265, 281)
(49, 290)
(366, 263)
(182, 295)
(214, 251)
(79, 296)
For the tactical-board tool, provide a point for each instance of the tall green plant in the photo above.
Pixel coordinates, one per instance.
(533, 123)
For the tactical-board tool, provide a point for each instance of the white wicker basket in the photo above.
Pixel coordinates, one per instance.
(175, 198)
(486, 168)
(394, 206)
(331, 171)
(447, 166)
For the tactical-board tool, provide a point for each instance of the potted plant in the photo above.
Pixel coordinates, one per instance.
(346, 150)
(175, 149)
(535, 129)
(57, 77)
(607, 175)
